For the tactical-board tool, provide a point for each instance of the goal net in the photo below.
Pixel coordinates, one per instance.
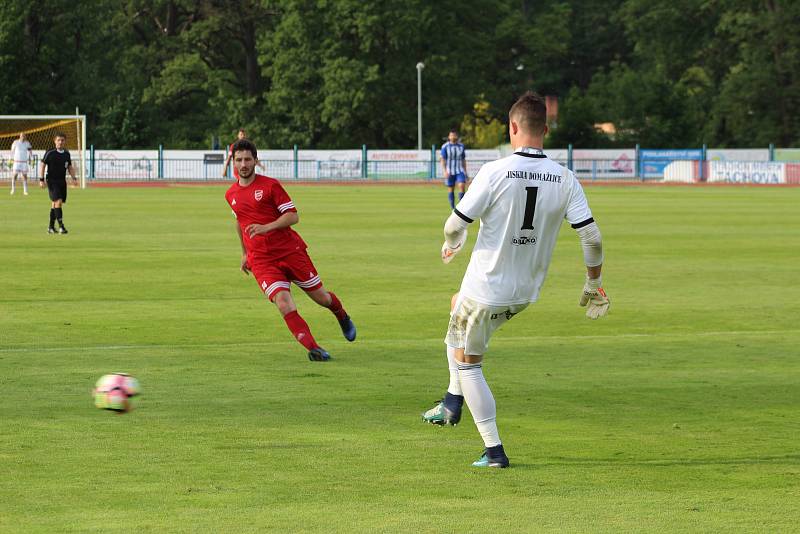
(40, 130)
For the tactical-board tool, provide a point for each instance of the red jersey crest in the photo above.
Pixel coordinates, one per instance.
(261, 202)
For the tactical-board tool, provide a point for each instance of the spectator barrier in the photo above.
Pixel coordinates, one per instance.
(693, 165)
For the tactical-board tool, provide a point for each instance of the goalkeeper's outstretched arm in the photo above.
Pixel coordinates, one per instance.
(594, 297)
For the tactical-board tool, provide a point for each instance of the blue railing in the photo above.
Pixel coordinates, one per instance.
(696, 165)
(144, 169)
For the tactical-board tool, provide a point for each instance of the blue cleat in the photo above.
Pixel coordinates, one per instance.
(492, 457)
(348, 328)
(318, 355)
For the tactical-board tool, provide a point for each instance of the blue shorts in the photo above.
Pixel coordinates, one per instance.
(451, 181)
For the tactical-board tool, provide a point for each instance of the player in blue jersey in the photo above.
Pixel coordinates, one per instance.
(453, 158)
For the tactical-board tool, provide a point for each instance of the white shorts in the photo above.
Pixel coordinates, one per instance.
(20, 167)
(472, 324)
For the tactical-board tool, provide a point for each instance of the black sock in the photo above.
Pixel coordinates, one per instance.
(52, 217)
(453, 402)
(494, 452)
(59, 215)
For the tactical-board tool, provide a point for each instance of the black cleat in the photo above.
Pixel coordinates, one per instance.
(348, 328)
(318, 355)
(63, 230)
(51, 230)
(492, 457)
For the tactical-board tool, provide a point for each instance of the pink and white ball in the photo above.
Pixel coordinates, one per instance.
(116, 392)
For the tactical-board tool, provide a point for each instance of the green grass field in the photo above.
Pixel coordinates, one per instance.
(680, 411)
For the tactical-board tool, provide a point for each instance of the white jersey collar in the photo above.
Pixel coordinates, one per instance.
(529, 150)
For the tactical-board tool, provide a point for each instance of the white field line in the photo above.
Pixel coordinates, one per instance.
(499, 339)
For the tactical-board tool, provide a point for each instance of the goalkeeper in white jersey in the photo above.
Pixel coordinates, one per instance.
(521, 201)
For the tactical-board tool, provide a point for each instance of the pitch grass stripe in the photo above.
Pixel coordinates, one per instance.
(398, 340)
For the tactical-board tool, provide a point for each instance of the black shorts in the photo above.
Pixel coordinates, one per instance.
(57, 190)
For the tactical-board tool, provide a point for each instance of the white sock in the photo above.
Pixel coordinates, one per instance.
(455, 384)
(25, 186)
(480, 401)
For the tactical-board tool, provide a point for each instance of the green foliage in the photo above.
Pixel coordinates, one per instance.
(328, 74)
(123, 120)
(481, 130)
(759, 98)
(576, 124)
(728, 78)
(532, 42)
(644, 105)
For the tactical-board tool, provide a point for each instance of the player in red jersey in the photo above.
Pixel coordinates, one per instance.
(273, 252)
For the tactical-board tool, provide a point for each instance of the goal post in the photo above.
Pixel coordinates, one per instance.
(40, 131)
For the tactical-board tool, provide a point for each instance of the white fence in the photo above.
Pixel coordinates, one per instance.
(672, 165)
(733, 172)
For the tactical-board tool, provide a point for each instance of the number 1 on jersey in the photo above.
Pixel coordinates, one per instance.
(530, 208)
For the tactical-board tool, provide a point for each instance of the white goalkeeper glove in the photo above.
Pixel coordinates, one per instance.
(594, 298)
(448, 252)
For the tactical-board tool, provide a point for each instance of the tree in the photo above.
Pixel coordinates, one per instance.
(759, 96)
(480, 129)
(343, 73)
(340, 74)
(576, 124)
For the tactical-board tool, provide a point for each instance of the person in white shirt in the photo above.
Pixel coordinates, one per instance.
(21, 155)
(521, 201)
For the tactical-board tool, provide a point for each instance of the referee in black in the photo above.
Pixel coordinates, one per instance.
(58, 162)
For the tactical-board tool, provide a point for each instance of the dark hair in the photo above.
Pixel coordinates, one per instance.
(530, 112)
(59, 134)
(244, 144)
(453, 130)
(241, 130)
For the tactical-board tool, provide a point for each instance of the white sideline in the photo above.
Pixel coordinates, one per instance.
(404, 341)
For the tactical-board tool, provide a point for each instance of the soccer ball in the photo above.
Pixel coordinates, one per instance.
(116, 392)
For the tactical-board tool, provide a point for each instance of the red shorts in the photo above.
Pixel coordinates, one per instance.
(277, 275)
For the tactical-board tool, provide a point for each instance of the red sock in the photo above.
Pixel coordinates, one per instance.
(300, 330)
(336, 307)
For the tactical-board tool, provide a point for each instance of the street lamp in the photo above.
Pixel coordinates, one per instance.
(420, 66)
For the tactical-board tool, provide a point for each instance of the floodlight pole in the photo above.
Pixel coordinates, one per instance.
(420, 66)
